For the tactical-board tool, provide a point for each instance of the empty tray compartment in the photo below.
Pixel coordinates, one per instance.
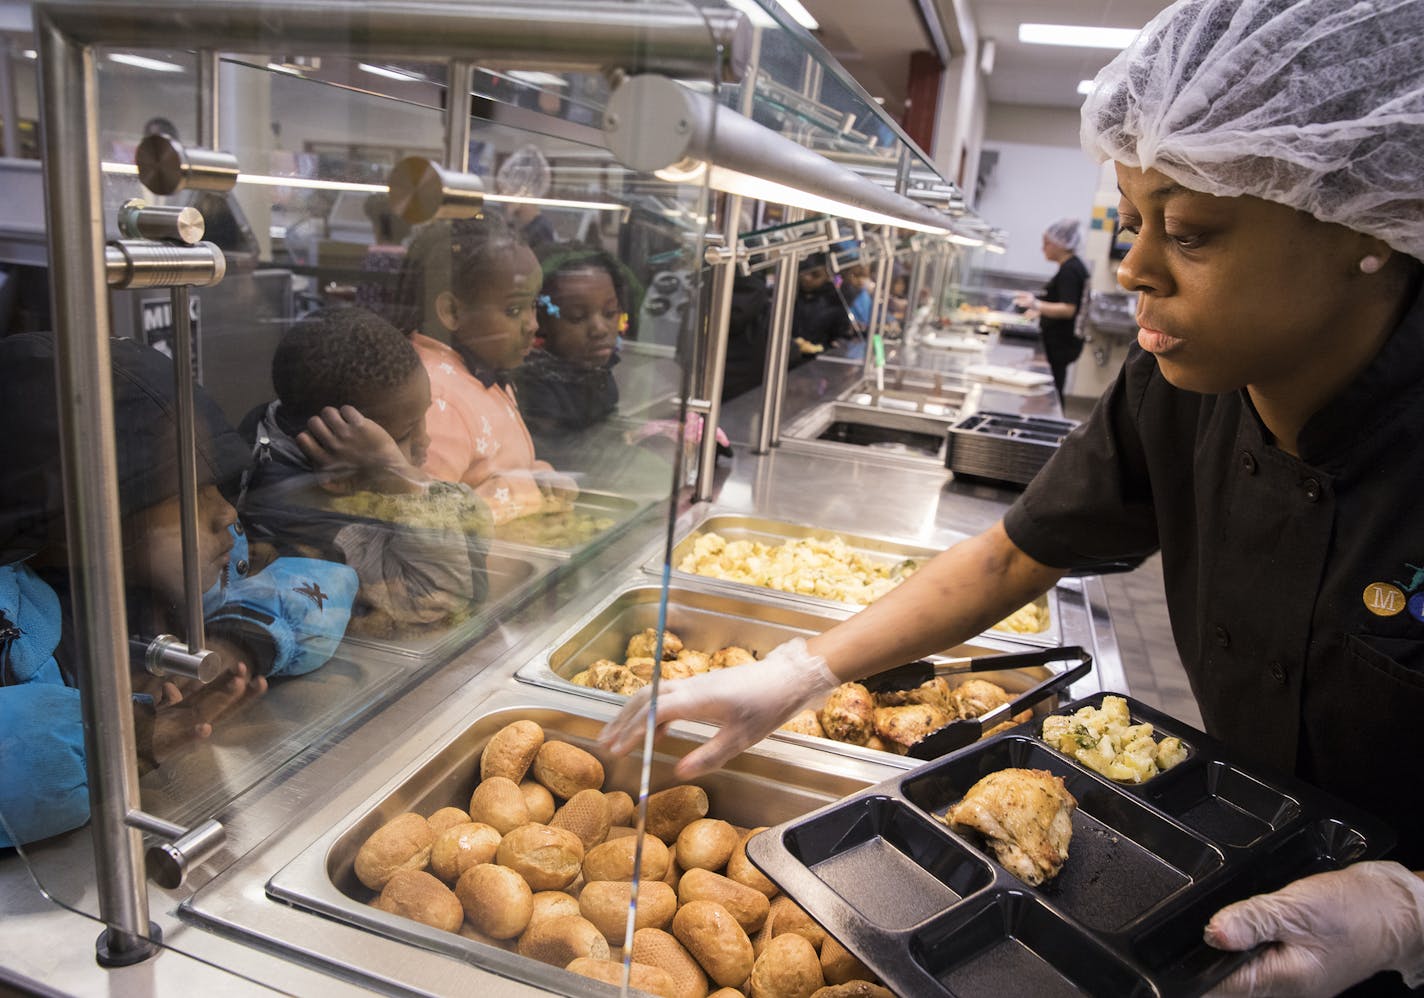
(1009, 943)
(887, 861)
(1124, 859)
(1223, 803)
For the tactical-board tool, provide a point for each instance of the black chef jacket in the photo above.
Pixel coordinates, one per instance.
(1295, 585)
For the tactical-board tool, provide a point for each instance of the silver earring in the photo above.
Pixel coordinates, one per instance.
(1370, 264)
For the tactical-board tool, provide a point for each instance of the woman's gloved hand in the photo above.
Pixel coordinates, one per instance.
(748, 702)
(1329, 931)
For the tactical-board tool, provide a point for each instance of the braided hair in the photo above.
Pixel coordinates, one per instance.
(453, 256)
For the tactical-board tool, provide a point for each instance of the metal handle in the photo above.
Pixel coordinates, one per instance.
(422, 190)
(168, 862)
(166, 166)
(140, 220)
(132, 263)
(165, 655)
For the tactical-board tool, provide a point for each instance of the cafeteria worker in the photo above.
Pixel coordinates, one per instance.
(1265, 438)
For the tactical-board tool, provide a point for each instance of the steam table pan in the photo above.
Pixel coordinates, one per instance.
(741, 526)
(932, 913)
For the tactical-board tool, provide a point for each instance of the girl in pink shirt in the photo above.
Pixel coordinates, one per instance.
(475, 283)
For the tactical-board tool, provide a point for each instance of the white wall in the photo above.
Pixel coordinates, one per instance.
(1042, 175)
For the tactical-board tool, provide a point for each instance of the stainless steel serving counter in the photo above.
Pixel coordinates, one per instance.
(228, 937)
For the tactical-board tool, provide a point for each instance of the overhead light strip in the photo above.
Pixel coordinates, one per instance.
(143, 62)
(799, 14)
(1077, 36)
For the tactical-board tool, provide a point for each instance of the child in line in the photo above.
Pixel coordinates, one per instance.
(566, 384)
(474, 283)
(282, 619)
(336, 472)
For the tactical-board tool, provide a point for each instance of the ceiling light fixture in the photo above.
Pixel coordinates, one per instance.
(535, 78)
(1077, 35)
(799, 14)
(390, 74)
(142, 62)
(653, 125)
(755, 13)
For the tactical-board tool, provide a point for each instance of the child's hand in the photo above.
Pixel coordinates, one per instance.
(192, 718)
(346, 446)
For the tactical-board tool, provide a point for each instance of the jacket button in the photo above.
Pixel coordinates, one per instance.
(1278, 673)
(1223, 638)
(1311, 488)
(237, 529)
(242, 566)
(1248, 462)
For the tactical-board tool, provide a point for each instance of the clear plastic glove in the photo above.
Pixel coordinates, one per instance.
(1330, 931)
(749, 702)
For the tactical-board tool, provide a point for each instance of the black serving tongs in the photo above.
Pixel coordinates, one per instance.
(957, 734)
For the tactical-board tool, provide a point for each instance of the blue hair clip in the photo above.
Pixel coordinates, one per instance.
(547, 304)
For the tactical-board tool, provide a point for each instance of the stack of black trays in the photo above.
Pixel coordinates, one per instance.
(932, 913)
(1002, 447)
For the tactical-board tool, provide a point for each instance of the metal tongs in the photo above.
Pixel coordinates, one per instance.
(967, 731)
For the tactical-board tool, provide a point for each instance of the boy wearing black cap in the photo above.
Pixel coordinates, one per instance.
(266, 622)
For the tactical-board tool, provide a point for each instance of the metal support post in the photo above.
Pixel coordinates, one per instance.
(457, 115)
(783, 306)
(86, 422)
(209, 114)
(718, 315)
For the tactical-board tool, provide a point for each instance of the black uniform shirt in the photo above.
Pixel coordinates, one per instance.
(1066, 285)
(1295, 586)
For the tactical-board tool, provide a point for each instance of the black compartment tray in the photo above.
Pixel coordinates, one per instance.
(931, 911)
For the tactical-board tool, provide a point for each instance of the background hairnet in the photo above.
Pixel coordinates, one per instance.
(524, 174)
(1066, 233)
(1315, 104)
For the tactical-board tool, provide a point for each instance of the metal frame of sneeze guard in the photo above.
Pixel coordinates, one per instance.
(600, 36)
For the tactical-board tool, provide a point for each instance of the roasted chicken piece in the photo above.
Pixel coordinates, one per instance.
(697, 661)
(901, 727)
(804, 723)
(936, 693)
(730, 656)
(1025, 815)
(976, 697)
(642, 667)
(645, 645)
(614, 678)
(849, 714)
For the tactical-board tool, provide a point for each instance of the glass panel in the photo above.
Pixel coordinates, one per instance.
(407, 427)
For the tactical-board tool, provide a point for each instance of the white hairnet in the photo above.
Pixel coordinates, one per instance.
(525, 174)
(1315, 104)
(1066, 233)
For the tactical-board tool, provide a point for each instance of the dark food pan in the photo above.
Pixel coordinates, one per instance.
(967, 731)
(931, 912)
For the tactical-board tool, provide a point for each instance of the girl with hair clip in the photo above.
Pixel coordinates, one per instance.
(1264, 439)
(467, 296)
(566, 384)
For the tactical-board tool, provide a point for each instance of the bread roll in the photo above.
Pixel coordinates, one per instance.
(498, 802)
(657, 948)
(470, 932)
(511, 750)
(854, 989)
(552, 904)
(549, 859)
(559, 941)
(726, 993)
(839, 965)
(706, 844)
(786, 916)
(787, 968)
(447, 817)
(605, 904)
(653, 980)
(566, 769)
(747, 906)
(741, 869)
(614, 860)
(714, 938)
(403, 843)
(674, 870)
(496, 900)
(460, 847)
(418, 895)
(539, 801)
(622, 809)
(672, 810)
(619, 831)
(586, 814)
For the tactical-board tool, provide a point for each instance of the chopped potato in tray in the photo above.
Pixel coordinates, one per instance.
(825, 567)
(1105, 740)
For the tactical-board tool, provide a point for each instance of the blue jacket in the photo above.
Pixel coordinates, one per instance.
(290, 617)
